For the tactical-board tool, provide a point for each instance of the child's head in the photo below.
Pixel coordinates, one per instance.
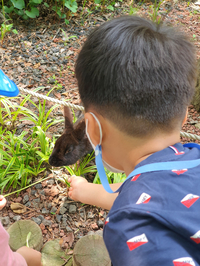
(137, 74)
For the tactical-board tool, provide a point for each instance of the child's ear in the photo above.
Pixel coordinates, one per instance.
(92, 128)
(185, 118)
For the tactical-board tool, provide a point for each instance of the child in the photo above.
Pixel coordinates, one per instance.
(136, 80)
(23, 256)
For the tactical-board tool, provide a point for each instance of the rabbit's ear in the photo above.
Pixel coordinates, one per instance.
(68, 118)
(79, 130)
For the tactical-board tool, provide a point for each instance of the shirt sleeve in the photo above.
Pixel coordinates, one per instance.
(7, 256)
(135, 238)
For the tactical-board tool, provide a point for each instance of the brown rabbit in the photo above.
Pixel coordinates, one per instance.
(72, 144)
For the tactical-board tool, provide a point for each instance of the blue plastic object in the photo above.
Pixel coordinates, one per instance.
(7, 86)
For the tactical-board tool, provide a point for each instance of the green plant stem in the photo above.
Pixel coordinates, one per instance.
(41, 180)
(3, 9)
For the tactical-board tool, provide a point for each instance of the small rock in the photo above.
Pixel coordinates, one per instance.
(33, 192)
(64, 222)
(52, 81)
(58, 218)
(44, 210)
(65, 204)
(36, 220)
(90, 215)
(42, 192)
(5, 220)
(25, 199)
(72, 208)
(49, 205)
(53, 209)
(62, 210)
(28, 204)
(50, 182)
(82, 215)
(68, 229)
(41, 217)
(16, 217)
(100, 223)
(38, 186)
(47, 222)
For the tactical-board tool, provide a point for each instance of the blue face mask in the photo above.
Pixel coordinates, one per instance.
(7, 86)
(98, 153)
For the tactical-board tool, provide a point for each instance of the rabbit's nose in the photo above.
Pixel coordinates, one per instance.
(52, 160)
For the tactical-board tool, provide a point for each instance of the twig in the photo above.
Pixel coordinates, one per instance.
(56, 34)
(66, 260)
(44, 30)
(41, 180)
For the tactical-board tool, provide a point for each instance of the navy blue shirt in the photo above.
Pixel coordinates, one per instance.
(155, 220)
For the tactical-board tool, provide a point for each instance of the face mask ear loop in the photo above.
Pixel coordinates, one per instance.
(100, 130)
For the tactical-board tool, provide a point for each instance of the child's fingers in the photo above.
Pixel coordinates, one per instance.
(2, 202)
(71, 178)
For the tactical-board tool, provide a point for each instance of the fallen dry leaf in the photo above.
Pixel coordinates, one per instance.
(51, 191)
(61, 242)
(69, 238)
(70, 252)
(18, 207)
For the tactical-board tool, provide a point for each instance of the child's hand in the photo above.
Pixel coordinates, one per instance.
(32, 257)
(76, 191)
(2, 202)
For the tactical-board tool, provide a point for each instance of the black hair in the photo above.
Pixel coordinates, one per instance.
(138, 74)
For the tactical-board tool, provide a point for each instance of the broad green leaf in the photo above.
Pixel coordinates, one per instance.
(8, 10)
(110, 7)
(19, 12)
(71, 5)
(19, 4)
(46, 4)
(33, 13)
(37, 1)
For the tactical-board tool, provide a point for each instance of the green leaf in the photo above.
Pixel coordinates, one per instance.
(19, 4)
(110, 7)
(8, 167)
(66, 21)
(25, 17)
(37, 1)
(33, 13)
(46, 4)
(97, 1)
(8, 10)
(27, 239)
(70, 170)
(15, 31)
(71, 5)
(19, 12)
(59, 13)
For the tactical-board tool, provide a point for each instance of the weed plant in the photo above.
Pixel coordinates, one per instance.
(83, 167)
(23, 156)
(112, 177)
(18, 160)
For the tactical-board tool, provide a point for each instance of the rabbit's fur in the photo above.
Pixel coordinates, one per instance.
(72, 144)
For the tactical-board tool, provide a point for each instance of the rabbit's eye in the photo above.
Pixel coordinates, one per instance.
(70, 149)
